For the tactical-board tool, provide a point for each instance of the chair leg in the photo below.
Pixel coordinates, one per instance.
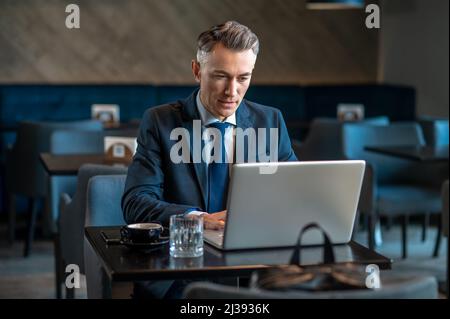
(33, 211)
(405, 220)
(425, 225)
(378, 234)
(11, 203)
(371, 231)
(70, 293)
(437, 244)
(366, 221)
(388, 223)
(59, 265)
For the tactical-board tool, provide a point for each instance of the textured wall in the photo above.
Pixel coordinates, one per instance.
(153, 41)
(415, 51)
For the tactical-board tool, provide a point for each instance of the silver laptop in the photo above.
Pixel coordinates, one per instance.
(268, 209)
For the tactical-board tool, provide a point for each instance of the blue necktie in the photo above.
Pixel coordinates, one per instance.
(218, 176)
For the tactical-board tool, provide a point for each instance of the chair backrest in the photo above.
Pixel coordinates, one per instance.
(73, 216)
(356, 137)
(324, 140)
(27, 173)
(75, 141)
(404, 288)
(435, 130)
(103, 200)
(63, 142)
(441, 133)
(445, 208)
(103, 209)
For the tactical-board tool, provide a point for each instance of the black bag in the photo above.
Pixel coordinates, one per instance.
(324, 277)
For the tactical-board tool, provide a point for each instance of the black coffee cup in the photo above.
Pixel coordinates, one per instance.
(142, 232)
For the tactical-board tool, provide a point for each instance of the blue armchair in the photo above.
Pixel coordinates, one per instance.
(73, 218)
(435, 130)
(25, 175)
(103, 209)
(324, 139)
(64, 142)
(393, 187)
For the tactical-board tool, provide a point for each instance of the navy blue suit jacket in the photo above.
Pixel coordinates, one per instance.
(157, 188)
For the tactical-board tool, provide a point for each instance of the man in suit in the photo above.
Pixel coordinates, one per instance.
(158, 184)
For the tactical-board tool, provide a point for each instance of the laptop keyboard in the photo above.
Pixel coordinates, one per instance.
(215, 236)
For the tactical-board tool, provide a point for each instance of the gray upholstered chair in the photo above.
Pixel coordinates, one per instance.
(435, 130)
(72, 219)
(103, 209)
(393, 187)
(394, 288)
(63, 142)
(25, 174)
(436, 133)
(103, 201)
(324, 139)
(324, 142)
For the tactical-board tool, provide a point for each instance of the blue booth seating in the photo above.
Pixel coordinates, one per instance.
(70, 102)
(299, 104)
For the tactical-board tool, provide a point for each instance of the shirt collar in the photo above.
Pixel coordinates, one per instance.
(207, 118)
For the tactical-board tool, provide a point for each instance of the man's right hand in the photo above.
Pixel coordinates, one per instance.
(215, 220)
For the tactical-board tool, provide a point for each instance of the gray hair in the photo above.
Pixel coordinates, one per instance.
(231, 34)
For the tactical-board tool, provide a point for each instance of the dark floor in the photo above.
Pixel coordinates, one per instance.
(33, 277)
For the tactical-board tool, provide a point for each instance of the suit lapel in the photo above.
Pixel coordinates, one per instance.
(189, 114)
(243, 122)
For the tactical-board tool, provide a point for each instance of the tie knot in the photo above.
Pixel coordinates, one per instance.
(222, 126)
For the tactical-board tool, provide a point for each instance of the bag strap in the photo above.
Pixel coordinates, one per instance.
(328, 254)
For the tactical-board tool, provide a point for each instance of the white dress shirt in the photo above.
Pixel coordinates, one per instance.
(207, 118)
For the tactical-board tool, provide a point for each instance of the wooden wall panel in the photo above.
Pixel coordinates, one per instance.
(153, 41)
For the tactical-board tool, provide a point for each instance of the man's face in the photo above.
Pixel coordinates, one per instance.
(224, 78)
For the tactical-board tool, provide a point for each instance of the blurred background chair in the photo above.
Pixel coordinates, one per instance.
(436, 134)
(104, 200)
(72, 219)
(435, 130)
(394, 288)
(103, 209)
(393, 187)
(25, 175)
(64, 143)
(324, 139)
(324, 142)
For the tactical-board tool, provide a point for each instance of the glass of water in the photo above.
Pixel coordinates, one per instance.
(186, 236)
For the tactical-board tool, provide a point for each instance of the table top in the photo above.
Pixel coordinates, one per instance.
(416, 153)
(124, 264)
(70, 164)
(131, 126)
